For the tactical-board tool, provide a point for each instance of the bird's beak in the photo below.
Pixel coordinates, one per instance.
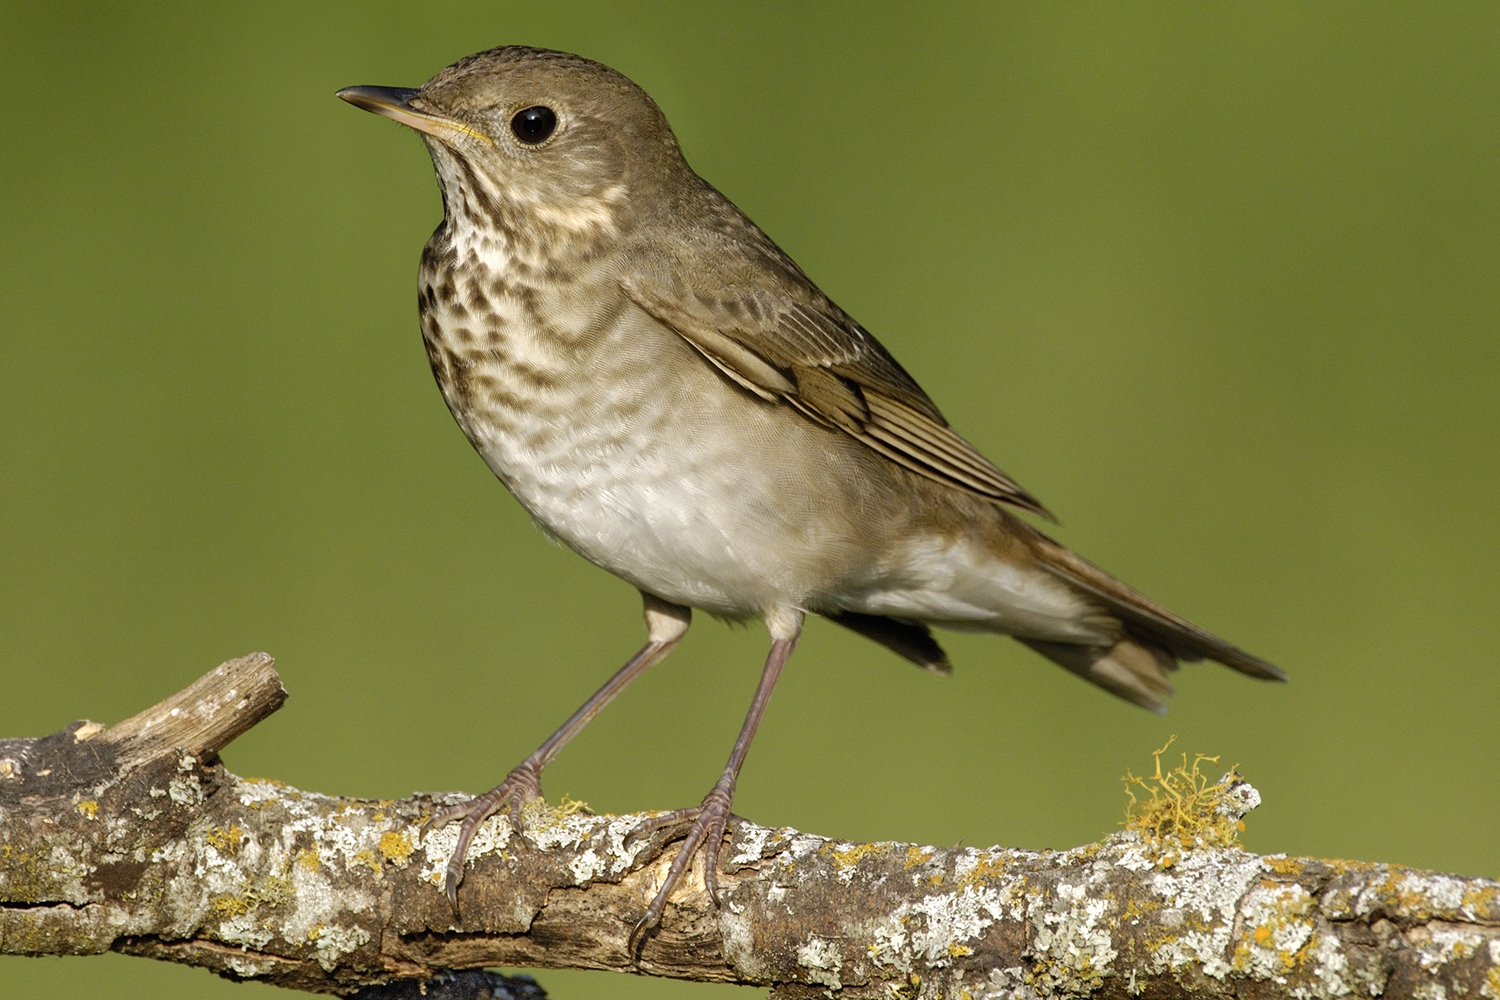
(395, 103)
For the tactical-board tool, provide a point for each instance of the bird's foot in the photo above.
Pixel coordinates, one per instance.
(703, 827)
(521, 786)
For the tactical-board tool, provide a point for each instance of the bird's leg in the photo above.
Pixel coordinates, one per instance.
(707, 822)
(665, 624)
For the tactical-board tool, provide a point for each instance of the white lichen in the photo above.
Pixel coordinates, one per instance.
(185, 789)
(252, 791)
(245, 930)
(1007, 984)
(438, 845)
(286, 884)
(1330, 967)
(1204, 889)
(1072, 936)
(586, 866)
(1437, 946)
(890, 945)
(737, 930)
(1276, 924)
(334, 942)
(753, 846)
(601, 845)
(822, 961)
(249, 967)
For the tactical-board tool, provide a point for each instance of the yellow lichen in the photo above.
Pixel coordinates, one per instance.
(273, 782)
(542, 816)
(225, 841)
(567, 806)
(1050, 978)
(848, 857)
(89, 808)
(1135, 908)
(368, 859)
(986, 866)
(226, 906)
(396, 848)
(25, 873)
(1482, 901)
(274, 891)
(308, 860)
(1279, 931)
(1180, 807)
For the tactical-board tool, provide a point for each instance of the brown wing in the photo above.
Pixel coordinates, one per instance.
(760, 320)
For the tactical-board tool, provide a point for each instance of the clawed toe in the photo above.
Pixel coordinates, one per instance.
(677, 817)
(520, 787)
(706, 827)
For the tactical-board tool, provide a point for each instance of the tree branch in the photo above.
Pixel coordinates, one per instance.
(135, 838)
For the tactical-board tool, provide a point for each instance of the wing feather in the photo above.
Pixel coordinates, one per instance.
(751, 311)
(938, 445)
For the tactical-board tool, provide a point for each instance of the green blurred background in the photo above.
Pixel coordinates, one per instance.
(1217, 282)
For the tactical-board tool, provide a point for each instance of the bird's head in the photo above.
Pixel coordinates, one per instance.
(527, 139)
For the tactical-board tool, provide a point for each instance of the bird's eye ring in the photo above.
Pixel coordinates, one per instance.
(534, 125)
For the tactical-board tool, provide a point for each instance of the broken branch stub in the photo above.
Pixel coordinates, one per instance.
(204, 717)
(199, 720)
(135, 839)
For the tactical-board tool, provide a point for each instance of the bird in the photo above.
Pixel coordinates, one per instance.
(665, 392)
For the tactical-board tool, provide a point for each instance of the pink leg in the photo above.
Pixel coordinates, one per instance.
(666, 624)
(709, 820)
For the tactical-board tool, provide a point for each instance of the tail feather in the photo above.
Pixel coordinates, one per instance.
(1131, 669)
(1146, 621)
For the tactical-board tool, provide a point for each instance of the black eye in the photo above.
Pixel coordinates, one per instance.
(534, 124)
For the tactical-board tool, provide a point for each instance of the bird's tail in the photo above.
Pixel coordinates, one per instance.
(1129, 669)
(1153, 639)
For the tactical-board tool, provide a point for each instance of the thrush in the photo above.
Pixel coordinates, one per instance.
(667, 394)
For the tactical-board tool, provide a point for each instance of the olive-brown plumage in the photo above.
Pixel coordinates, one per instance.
(669, 395)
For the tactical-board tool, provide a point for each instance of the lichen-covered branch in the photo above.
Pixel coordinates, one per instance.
(135, 838)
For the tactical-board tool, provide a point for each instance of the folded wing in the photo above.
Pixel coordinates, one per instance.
(770, 330)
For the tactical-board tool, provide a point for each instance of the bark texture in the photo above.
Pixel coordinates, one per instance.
(134, 838)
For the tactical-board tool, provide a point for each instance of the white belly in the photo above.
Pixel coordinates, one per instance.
(707, 527)
(642, 458)
(620, 464)
(632, 508)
